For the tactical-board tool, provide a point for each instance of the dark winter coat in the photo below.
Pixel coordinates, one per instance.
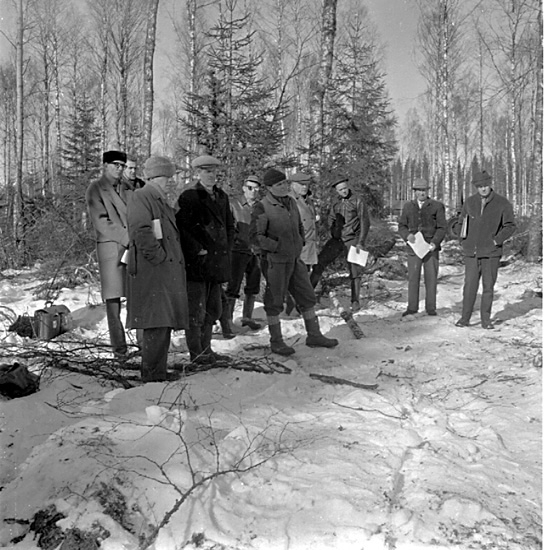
(430, 219)
(156, 285)
(108, 212)
(485, 231)
(276, 228)
(352, 211)
(206, 223)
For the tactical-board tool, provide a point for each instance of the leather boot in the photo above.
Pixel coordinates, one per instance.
(355, 292)
(277, 345)
(315, 339)
(247, 313)
(226, 318)
(115, 327)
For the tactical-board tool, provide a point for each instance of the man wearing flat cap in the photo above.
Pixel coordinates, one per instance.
(427, 216)
(156, 283)
(276, 230)
(485, 223)
(244, 261)
(107, 205)
(349, 222)
(206, 226)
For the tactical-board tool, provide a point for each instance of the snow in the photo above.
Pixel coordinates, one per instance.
(445, 453)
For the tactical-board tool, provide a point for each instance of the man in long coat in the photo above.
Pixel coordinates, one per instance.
(277, 232)
(206, 226)
(107, 205)
(156, 283)
(427, 216)
(486, 221)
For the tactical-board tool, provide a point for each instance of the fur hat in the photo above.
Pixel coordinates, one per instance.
(273, 176)
(204, 161)
(481, 179)
(111, 156)
(156, 167)
(420, 184)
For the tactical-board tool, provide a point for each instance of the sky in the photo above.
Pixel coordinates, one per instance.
(396, 21)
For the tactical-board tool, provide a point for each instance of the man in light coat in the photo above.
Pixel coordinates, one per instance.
(107, 205)
(156, 283)
(486, 221)
(427, 216)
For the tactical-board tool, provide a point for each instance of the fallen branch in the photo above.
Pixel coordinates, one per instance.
(341, 381)
(346, 316)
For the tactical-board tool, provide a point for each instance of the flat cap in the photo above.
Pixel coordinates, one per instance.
(339, 179)
(204, 161)
(301, 177)
(254, 179)
(273, 176)
(420, 184)
(481, 179)
(112, 156)
(156, 167)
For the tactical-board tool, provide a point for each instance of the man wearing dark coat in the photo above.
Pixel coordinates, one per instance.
(427, 216)
(206, 226)
(107, 205)
(485, 223)
(156, 284)
(277, 232)
(129, 173)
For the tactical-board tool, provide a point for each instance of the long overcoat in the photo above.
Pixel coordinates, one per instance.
(156, 281)
(306, 209)
(206, 222)
(108, 212)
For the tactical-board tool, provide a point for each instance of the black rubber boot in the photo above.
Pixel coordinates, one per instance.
(315, 339)
(277, 345)
(247, 313)
(226, 318)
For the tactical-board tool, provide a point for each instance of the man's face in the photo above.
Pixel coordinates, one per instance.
(342, 189)
(280, 189)
(207, 176)
(300, 189)
(130, 170)
(251, 191)
(484, 190)
(421, 194)
(113, 170)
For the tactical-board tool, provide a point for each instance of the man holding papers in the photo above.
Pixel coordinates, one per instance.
(422, 224)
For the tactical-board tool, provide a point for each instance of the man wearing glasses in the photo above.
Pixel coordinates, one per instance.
(107, 205)
(244, 261)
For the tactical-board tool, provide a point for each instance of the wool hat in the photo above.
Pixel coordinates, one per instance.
(301, 177)
(111, 156)
(156, 167)
(205, 161)
(254, 179)
(273, 176)
(420, 184)
(339, 179)
(481, 179)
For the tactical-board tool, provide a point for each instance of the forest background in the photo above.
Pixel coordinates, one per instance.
(296, 84)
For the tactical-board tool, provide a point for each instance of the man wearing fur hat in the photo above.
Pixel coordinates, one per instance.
(206, 225)
(156, 283)
(427, 216)
(485, 223)
(107, 205)
(276, 229)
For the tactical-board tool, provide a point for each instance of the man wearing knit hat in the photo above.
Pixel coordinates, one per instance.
(156, 284)
(427, 216)
(485, 223)
(276, 229)
(206, 226)
(349, 222)
(244, 261)
(107, 205)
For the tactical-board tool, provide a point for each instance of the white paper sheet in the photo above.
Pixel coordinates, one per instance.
(421, 247)
(157, 229)
(355, 257)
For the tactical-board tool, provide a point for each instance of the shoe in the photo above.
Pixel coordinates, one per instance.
(355, 306)
(432, 313)
(408, 312)
(461, 323)
(488, 325)
(227, 335)
(253, 325)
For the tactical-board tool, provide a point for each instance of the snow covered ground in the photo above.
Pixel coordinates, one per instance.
(431, 439)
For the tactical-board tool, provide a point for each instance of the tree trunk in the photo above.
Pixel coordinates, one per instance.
(149, 52)
(18, 211)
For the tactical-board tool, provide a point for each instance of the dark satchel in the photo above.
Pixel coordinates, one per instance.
(17, 381)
